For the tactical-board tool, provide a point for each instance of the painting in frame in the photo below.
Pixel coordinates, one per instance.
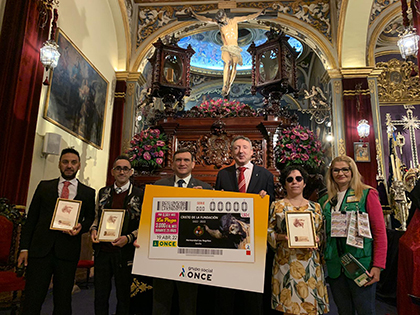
(111, 224)
(361, 152)
(66, 214)
(77, 96)
(300, 229)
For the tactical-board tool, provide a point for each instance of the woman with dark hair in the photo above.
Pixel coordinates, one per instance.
(347, 193)
(297, 279)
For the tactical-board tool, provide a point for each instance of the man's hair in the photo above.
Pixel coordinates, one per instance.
(69, 150)
(121, 157)
(220, 15)
(183, 150)
(240, 138)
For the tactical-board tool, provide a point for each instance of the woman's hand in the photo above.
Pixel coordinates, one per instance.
(374, 273)
(281, 237)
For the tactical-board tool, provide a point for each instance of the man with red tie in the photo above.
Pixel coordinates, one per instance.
(47, 252)
(244, 176)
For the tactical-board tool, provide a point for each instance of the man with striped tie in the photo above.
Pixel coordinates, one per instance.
(47, 252)
(163, 290)
(244, 176)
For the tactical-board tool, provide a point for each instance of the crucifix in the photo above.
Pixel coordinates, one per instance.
(228, 26)
(410, 123)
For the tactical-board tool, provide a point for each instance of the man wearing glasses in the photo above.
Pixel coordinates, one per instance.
(115, 259)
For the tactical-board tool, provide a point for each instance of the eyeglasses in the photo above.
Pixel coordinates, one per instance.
(345, 170)
(298, 179)
(119, 169)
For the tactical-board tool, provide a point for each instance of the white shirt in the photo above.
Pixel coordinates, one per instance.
(72, 187)
(186, 180)
(247, 174)
(340, 197)
(123, 188)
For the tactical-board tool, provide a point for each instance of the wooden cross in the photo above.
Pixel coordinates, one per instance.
(410, 122)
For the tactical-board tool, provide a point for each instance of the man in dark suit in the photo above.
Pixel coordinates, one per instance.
(47, 252)
(163, 290)
(115, 259)
(245, 177)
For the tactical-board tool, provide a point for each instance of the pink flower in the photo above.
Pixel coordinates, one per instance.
(304, 136)
(146, 156)
(305, 157)
(147, 147)
(161, 154)
(159, 160)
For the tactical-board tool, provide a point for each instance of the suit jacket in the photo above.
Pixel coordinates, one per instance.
(37, 237)
(170, 181)
(132, 203)
(261, 179)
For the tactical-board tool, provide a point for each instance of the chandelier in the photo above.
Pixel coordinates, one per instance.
(363, 129)
(408, 43)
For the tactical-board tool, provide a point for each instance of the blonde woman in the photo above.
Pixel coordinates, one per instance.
(297, 279)
(346, 192)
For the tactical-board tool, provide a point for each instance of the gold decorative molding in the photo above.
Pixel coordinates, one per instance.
(396, 83)
(351, 73)
(380, 174)
(119, 95)
(341, 147)
(371, 86)
(130, 89)
(337, 87)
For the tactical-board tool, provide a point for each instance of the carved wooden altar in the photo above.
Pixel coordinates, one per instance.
(209, 140)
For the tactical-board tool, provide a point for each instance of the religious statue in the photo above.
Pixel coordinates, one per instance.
(231, 52)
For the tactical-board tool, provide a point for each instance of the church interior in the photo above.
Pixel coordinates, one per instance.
(130, 67)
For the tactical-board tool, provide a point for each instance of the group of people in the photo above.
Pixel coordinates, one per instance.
(294, 277)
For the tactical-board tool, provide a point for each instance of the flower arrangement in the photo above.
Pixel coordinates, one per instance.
(222, 107)
(148, 148)
(298, 145)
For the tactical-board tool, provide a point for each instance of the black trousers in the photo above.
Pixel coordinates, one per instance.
(38, 278)
(163, 291)
(108, 265)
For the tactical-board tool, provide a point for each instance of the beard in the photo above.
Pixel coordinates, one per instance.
(68, 177)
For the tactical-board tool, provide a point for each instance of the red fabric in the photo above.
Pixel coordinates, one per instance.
(377, 224)
(9, 282)
(21, 75)
(85, 264)
(351, 119)
(116, 128)
(6, 233)
(409, 268)
(65, 192)
(241, 179)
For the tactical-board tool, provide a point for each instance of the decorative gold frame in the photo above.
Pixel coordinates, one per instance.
(361, 152)
(300, 222)
(78, 95)
(65, 217)
(113, 229)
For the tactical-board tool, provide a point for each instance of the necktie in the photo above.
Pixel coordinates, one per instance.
(180, 183)
(241, 179)
(65, 192)
(118, 190)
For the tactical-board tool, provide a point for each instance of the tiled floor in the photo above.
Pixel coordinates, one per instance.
(83, 304)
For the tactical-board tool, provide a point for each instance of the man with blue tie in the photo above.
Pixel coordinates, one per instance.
(47, 252)
(163, 290)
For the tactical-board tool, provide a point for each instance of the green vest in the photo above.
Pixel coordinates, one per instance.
(332, 255)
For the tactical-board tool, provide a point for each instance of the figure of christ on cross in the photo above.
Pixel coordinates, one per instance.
(231, 52)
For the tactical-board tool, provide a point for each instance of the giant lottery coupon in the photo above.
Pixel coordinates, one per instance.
(203, 236)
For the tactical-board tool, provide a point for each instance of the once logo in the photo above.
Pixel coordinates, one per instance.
(199, 275)
(164, 244)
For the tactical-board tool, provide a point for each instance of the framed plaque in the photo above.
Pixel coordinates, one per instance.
(300, 229)
(361, 152)
(66, 214)
(111, 224)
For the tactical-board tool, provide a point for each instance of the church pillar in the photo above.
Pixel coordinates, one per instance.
(125, 102)
(21, 75)
(356, 106)
(337, 116)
